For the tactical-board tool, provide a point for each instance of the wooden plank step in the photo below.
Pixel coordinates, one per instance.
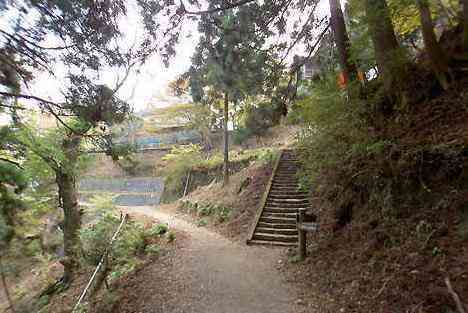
(277, 226)
(285, 182)
(292, 194)
(285, 196)
(275, 237)
(290, 186)
(275, 182)
(288, 199)
(285, 175)
(269, 230)
(287, 189)
(282, 205)
(278, 220)
(280, 210)
(280, 215)
(285, 179)
(271, 243)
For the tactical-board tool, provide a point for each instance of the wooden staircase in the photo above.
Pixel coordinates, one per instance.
(276, 218)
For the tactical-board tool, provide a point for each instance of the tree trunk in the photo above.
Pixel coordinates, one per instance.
(340, 34)
(65, 178)
(5, 288)
(464, 22)
(437, 57)
(226, 140)
(390, 61)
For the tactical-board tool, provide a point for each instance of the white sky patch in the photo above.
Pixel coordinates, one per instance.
(146, 87)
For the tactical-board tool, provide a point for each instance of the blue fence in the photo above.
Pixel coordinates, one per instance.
(128, 192)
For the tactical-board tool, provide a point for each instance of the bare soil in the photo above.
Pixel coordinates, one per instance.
(209, 273)
(396, 257)
(242, 196)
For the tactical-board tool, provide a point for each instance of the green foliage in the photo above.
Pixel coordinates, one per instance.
(180, 161)
(362, 49)
(157, 230)
(240, 135)
(202, 222)
(12, 183)
(183, 159)
(334, 128)
(133, 240)
(219, 213)
(295, 259)
(255, 119)
(153, 249)
(171, 236)
(101, 203)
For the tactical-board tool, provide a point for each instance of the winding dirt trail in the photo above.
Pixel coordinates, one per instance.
(215, 275)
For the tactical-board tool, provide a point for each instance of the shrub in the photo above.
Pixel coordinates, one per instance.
(171, 236)
(240, 135)
(178, 163)
(159, 229)
(202, 222)
(223, 214)
(152, 249)
(334, 130)
(96, 238)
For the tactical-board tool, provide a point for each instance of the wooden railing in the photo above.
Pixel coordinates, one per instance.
(123, 220)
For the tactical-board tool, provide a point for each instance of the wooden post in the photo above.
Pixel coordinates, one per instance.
(186, 184)
(302, 235)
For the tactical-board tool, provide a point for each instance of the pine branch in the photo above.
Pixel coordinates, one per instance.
(211, 11)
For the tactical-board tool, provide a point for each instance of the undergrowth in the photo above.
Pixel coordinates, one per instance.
(386, 185)
(183, 160)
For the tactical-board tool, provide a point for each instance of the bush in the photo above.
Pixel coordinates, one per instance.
(220, 213)
(240, 135)
(131, 241)
(202, 222)
(153, 249)
(101, 203)
(179, 162)
(159, 229)
(334, 129)
(171, 236)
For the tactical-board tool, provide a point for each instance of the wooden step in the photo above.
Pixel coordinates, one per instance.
(277, 226)
(283, 196)
(278, 220)
(288, 199)
(281, 183)
(282, 205)
(285, 179)
(285, 175)
(271, 243)
(290, 193)
(289, 187)
(284, 189)
(280, 215)
(275, 237)
(277, 231)
(280, 210)
(277, 223)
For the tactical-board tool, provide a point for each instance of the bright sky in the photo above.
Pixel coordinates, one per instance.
(147, 87)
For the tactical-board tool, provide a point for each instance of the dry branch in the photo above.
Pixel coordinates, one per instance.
(456, 298)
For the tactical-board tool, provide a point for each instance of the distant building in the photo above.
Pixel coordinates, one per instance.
(310, 68)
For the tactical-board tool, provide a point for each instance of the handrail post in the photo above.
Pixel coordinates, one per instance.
(302, 245)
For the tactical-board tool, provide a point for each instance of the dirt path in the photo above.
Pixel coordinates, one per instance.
(215, 275)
